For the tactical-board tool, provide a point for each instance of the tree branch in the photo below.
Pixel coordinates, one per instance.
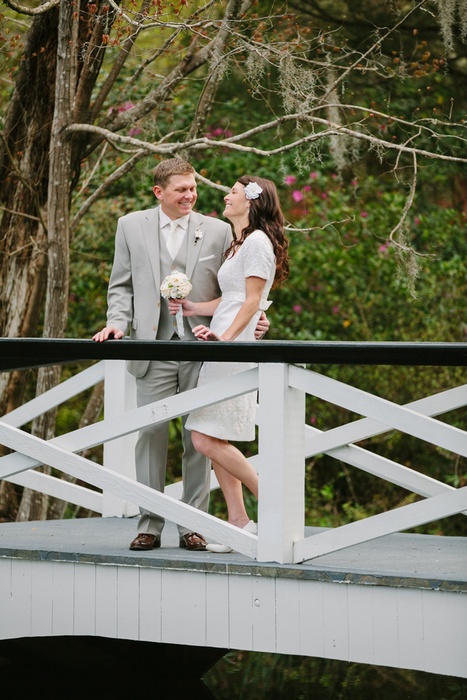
(99, 191)
(203, 143)
(32, 10)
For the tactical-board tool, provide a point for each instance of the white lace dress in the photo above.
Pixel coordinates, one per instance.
(234, 419)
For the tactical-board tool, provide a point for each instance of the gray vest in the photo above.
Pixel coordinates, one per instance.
(167, 323)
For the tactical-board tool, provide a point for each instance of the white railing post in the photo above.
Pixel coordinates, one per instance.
(119, 454)
(281, 421)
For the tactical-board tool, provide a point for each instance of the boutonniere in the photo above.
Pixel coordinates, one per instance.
(198, 235)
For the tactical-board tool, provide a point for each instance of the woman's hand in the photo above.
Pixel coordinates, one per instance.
(205, 333)
(262, 326)
(175, 304)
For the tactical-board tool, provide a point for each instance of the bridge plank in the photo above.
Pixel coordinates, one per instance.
(288, 617)
(180, 605)
(106, 599)
(312, 618)
(336, 623)
(360, 614)
(41, 600)
(128, 604)
(150, 597)
(84, 599)
(385, 619)
(217, 611)
(63, 600)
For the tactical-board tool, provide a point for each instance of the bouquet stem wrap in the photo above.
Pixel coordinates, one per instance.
(177, 286)
(179, 318)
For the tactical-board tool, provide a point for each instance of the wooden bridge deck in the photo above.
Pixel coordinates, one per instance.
(398, 560)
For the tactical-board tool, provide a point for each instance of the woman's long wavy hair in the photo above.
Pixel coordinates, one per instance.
(266, 214)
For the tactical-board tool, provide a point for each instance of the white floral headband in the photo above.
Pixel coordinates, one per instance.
(253, 190)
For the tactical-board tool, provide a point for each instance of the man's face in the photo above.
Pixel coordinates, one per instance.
(178, 197)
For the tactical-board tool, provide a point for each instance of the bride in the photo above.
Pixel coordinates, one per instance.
(256, 261)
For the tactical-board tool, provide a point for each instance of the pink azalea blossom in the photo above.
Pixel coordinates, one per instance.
(290, 179)
(363, 214)
(312, 420)
(297, 308)
(324, 195)
(417, 221)
(313, 175)
(134, 132)
(218, 132)
(335, 310)
(297, 196)
(126, 106)
(307, 188)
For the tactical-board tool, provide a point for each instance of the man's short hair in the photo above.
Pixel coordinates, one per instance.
(173, 166)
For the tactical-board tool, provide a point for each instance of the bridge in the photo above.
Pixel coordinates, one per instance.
(370, 591)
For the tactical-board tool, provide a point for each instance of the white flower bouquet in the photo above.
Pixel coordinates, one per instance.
(177, 286)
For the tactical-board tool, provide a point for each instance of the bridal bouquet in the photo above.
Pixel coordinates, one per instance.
(177, 286)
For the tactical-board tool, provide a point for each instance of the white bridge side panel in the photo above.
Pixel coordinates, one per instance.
(288, 617)
(420, 629)
(41, 600)
(361, 623)
(445, 617)
(336, 622)
(217, 611)
(183, 607)
(150, 594)
(106, 601)
(85, 599)
(128, 603)
(63, 594)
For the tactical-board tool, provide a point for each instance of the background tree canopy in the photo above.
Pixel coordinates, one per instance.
(355, 109)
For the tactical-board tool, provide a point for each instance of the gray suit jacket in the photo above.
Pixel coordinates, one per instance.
(134, 288)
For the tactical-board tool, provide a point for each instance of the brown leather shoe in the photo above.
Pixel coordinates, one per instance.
(193, 541)
(146, 541)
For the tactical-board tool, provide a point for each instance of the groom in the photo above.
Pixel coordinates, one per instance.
(149, 245)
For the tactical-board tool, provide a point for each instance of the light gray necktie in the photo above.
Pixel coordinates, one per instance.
(173, 243)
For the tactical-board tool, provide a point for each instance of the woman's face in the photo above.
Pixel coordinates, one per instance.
(236, 204)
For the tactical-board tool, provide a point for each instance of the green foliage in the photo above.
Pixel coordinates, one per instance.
(348, 282)
(257, 676)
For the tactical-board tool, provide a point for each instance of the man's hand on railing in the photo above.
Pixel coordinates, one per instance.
(108, 333)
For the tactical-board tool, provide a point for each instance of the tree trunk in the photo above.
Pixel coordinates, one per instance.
(23, 193)
(33, 504)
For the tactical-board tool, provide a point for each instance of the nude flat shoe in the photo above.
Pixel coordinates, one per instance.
(224, 548)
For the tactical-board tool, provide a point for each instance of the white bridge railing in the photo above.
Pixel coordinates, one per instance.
(285, 441)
